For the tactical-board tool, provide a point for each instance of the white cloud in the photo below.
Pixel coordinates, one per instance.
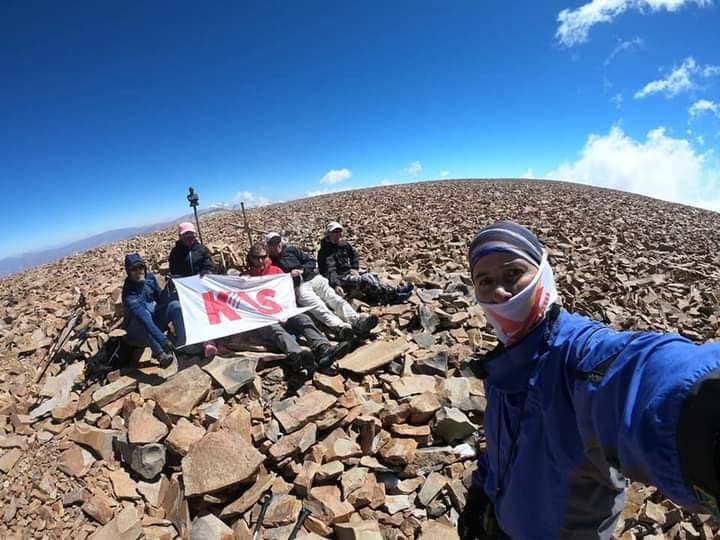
(326, 191)
(413, 169)
(703, 106)
(681, 79)
(662, 166)
(574, 24)
(530, 174)
(334, 176)
(251, 200)
(387, 182)
(617, 100)
(635, 43)
(444, 174)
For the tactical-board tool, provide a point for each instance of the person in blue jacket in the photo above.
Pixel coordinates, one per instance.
(147, 312)
(575, 407)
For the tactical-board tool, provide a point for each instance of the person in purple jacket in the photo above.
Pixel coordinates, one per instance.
(575, 407)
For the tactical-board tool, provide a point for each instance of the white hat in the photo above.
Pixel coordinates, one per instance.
(269, 237)
(332, 226)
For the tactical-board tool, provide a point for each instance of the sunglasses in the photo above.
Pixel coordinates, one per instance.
(258, 256)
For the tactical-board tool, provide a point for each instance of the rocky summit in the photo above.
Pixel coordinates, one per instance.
(386, 447)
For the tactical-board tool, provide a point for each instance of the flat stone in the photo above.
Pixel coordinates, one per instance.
(65, 411)
(298, 441)
(98, 440)
(432, 486)
(414, 384)
(183, 436)
(249, 497)
(181, 392)
(432, 364)
(358, 530)
(333, 385)
(283, 510)
(396, 503)
(175, 507)
(232, 373)
(115, 390)
(238, 421)
(13, 441)
(208, 527)
(421, 433)
(144, 427)
(432, 530)
(9, 459)
(154, 492)
(146, 460)
(123, 486)
(372, 356)
(342, 449)
(125, 526)
(292, 415)
(457, 492)
(75, 461)
(451, 424)
(304, 480)
(330, 471)
(423, 407)
(398, 451)
(217, 461)
(457, 391)
(326, 505)
(99, 507)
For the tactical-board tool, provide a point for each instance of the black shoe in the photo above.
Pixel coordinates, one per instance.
(324, 356)
(309, 363)
(364, 324)
(165, 359)
(346, 333)
(295, 361)
(341, 349)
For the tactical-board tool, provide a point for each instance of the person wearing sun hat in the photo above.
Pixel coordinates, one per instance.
(575, 407)
(339, 262)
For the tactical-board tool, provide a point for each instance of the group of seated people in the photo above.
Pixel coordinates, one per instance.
(325, 287)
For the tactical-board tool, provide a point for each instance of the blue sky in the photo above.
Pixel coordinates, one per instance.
(110, 110)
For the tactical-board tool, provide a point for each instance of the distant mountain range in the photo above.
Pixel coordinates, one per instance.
(9, 265)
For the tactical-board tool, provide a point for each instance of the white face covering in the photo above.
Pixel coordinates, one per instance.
(514, 318)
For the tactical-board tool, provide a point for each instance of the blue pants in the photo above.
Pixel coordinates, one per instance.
(137, 334)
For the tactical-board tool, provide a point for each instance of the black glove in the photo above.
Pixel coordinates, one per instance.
(477, 520)
(168, 346)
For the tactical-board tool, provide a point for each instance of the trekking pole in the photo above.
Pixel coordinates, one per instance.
(304, 513)
(194, 199)
(261, 517)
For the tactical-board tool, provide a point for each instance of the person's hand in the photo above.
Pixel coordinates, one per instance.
(168, 346)
(297, 272)
(340, 290)
(470, 523)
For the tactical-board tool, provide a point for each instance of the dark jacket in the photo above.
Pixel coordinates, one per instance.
(575, 407)
(186, 261)
(140, 299)
(336, 260)
(293, 257)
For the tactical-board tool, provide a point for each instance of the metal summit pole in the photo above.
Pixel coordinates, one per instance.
(194, 199)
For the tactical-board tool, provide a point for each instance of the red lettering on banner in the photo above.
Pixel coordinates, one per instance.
(216, 306)
(264, 299)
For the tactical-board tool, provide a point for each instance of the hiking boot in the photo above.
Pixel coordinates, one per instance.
(346, 333)
(402, 294)
(364, 323)
(295, 361)
(341, 349)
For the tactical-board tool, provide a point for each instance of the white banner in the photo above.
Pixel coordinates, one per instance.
(216, 306)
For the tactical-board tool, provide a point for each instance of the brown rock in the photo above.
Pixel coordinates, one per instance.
(372, 356)
(304, 479)
(123, 486)
(358, 530)
(342, 449)
(326, 505)
(75, 461)
(125, 526)
(423, 407)
(99, 508)
(398, 451)
(451, 424)
(232, 373)
(292, 415)
(431, 530)
(414, 384)
(333, 385)
(217, 461)
(183, 435)
(208, 527)
(296, 442)
(114, 390)
(9, 459)
(238, 421)
(144, 428)
(98, 440)
(249, 496)
(154, 492)
(181, 392)
(431, 487)
(330, 471)
(283, 510)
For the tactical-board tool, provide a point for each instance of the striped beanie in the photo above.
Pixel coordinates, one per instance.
(506, 236)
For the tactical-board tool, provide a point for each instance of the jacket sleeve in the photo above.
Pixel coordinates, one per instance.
(207, 266)
(135, 305)
(354, 258)
(307, 262)
(175, 265)
(629, 390)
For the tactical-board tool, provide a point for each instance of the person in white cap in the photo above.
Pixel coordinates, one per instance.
(313, 290)
(189, 257)
(340, 264)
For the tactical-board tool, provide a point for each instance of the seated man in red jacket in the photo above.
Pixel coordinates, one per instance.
(281, 336)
